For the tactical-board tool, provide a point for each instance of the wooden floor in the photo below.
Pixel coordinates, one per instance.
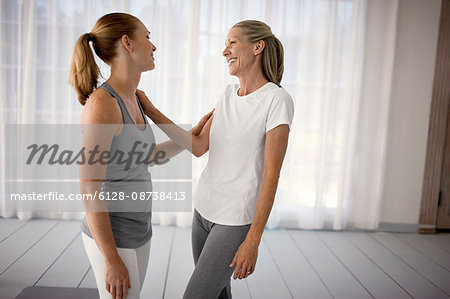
(291, 264)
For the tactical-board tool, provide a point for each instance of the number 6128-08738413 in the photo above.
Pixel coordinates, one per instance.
(181, 195)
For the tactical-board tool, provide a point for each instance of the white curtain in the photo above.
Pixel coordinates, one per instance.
(338, 69)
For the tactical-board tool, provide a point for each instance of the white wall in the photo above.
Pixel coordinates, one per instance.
(417, 32)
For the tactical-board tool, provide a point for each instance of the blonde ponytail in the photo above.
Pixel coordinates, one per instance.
(84, 71)
(272, 60)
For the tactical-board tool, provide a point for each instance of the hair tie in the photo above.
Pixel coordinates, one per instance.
(90, 36)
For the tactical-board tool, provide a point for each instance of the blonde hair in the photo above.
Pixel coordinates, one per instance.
(272, 55)
(84, 72)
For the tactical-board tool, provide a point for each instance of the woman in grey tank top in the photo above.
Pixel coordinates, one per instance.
(117, 233)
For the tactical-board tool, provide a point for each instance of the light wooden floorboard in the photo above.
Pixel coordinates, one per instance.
(426, 267)
(427, 248)
(374, 280)
(335, 276)
(440, 240)
(22, 240)
(411, 281)
(9, 226)
(181, 264)
(445, 237)
(89, 280)
(160, 252)
(69, 269)
(300, 277)
(30, 267)
(266, 282)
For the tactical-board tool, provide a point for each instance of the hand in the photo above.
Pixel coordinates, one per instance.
(245, 259)
(199, 127)
(117, 279)
(146, 104)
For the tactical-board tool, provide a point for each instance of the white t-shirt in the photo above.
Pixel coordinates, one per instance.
(229, 186)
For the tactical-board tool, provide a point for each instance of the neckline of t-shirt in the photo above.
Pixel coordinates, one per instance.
(236, 96)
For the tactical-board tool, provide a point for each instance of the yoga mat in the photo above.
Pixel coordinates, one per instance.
(58, 293)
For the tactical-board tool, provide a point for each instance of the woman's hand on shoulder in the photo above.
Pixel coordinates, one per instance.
(146, 104)
(199, 127)
(200, 135)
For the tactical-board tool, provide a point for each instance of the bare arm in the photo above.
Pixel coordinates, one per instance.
(274, 152)
(98, 111)
(171, 149)
(198, 145)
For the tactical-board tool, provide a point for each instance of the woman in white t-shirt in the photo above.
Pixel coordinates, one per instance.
(247, 139)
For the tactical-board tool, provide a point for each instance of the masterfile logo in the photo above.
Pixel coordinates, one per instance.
(47, 165)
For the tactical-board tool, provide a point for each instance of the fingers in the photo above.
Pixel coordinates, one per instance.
(113, 291)
(249, 271)
(125, 287)
(243, 271)
(203, 121)
(206, 117)
(237, 271)
(140, 92)
(141, 95)
(233, 262)
(210, 112)
(118, 292)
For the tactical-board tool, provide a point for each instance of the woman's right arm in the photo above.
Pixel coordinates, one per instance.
(197, 144)
(170, 148)
(98, 111)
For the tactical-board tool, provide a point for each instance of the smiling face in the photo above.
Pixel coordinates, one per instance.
(143, 49)
(238, 52)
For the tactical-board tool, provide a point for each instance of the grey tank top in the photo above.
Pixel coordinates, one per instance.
(130, 217)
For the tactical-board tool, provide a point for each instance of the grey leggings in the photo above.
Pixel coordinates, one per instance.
(213, 247)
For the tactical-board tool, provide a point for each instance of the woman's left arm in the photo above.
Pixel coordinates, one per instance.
(170, 149)
(274, 152)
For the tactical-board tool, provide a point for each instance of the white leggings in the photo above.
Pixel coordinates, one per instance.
(135, 259)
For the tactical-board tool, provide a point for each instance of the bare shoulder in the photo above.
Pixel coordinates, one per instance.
(101, 108)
